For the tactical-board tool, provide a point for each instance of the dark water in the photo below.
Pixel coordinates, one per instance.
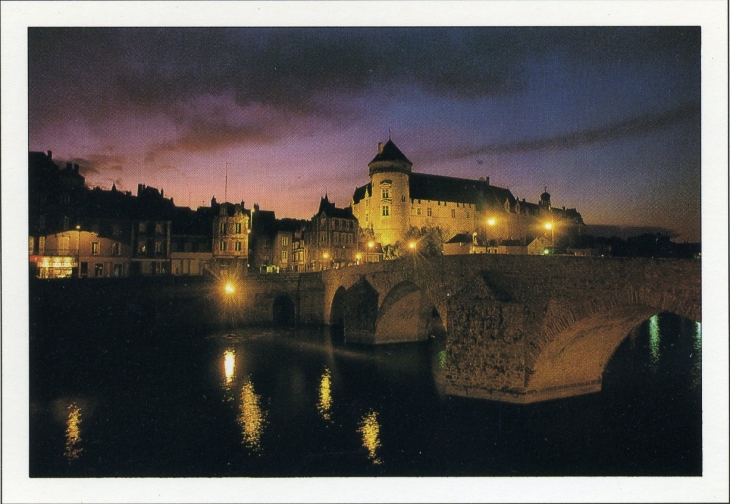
(112, 402)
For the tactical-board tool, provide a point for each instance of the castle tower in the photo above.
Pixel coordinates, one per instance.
(545, 206)
(389, 173)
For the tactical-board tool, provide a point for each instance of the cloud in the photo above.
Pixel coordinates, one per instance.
(633, 127)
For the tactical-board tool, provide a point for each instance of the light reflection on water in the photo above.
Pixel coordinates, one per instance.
(252, 417)
(73, 433)
(324, 406)
(370, 431)
(654, 341)
(229, 365)
(697, 358)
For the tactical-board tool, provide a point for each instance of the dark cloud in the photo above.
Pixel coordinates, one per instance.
(205, 136)
(94, 164)
(633, 127)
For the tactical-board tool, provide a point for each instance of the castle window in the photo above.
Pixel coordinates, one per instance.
(237, 246)
(238, 228)
(386, 193)
(284, 241)
(222, 246)
(284, 256)
(386, 211)
(453, 213)
(418, 211)
(429, 212)
(223, 228)
(403, 198)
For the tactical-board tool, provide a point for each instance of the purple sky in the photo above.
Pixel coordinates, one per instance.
(607, 118)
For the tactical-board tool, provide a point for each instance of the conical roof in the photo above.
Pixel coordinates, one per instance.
(390, 153)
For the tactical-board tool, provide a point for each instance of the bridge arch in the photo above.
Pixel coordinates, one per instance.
(283, 311)
(404, 315)
(337, 310)
(360, 310)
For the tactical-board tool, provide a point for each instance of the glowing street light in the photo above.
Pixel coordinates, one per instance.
(490, 223)
(412, 245)
(78, 249)
(371, 244)
(358, 256)
(549, 226)
(229, 288)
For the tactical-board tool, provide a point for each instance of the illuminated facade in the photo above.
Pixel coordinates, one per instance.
(396, 199)
(230, 232)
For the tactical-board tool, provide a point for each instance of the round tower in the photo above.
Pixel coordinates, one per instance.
(389, 175)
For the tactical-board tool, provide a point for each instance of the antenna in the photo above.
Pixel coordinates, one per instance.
(225, 196)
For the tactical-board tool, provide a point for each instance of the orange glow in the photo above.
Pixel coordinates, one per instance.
(412, 245)
(252, 418)
(492, 222)
(548, 225)
(229, 365)
(370, 430)
(230, 288)
(324, 405)
(73, 433)
(371, 244)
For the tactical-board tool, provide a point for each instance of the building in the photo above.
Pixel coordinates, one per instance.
(397, 199)
(329, 240)
(462, 243)
(230, 235)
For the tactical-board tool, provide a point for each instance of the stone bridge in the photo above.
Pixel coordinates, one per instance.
(518, 328)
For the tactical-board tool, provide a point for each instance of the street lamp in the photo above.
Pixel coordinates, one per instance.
(371, 244)
(78, 250)
(325, 256)
(490, 223)
(358, 256)
(412, 245)
(549, 225)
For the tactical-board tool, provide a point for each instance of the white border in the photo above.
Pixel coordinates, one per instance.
(710, 15)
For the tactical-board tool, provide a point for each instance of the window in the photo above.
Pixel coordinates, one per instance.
(142, 227)
(158, 228)
(222, 246)
(403, 198)
(324, 237)
(223, 228)
(237, 246)
(385, 193)
(98, 269)
(94, 248)
(30, 245)
(284, 256)
(386, 211)
(453, 213)
(284, 241)
(467, 215)
(41, 245)
(429, 212)
(63, 245)
(158, 247)
(418, 211)
(142, 247)
(238, 228)
(367, 216)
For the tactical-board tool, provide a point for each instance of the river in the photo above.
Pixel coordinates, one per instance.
(107, 402)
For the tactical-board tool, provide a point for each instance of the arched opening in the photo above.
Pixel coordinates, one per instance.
(578, 357)
(436, 326)
(284, 314)
(360, 313)
(337, 313)
(405, 315)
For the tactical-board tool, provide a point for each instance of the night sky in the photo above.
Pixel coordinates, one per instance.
(608, 118)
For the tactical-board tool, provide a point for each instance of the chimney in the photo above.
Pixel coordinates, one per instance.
(76, 167)
(380, 147)
(488, 181)
(50, 155)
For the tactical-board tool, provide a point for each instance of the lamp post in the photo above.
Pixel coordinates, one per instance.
(371, 244)
(490, 223)
(551, 227)
(358, 256)
(325, 256)
(78, 250)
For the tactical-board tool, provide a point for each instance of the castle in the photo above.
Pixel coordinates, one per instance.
(397, 199)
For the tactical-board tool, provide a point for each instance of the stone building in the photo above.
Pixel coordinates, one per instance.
(329, 240)
(230, 235)
(397, 199)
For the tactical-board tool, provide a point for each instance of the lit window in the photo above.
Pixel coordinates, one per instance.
(453, 213)
(284, 241)
(41, 245)
(284, 256)
(31, 241)
(223, 228)
(142, 248)
(386, 210)
(386, 193)
(403, 198)
(94, 248)
(222, 246)
(238, 228)
(418, 211)
(238, 246)
(429, 212)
